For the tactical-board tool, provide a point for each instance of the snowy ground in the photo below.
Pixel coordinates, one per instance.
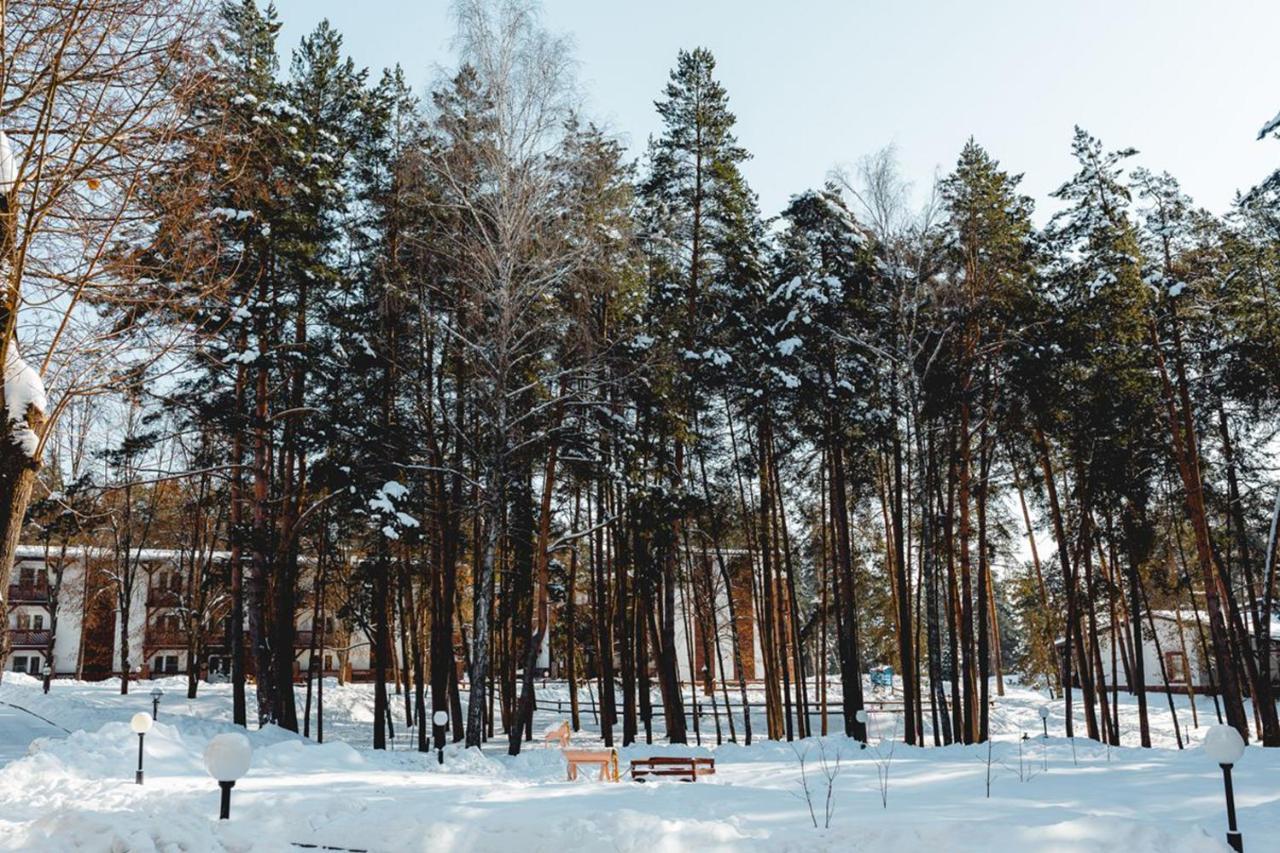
(76, 792)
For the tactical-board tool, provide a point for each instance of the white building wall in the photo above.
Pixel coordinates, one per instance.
(137, 627)
(67, 641)
(1171, 640)
(724, 640)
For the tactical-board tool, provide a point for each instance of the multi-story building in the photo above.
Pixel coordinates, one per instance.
(64, 618)
(29, 619)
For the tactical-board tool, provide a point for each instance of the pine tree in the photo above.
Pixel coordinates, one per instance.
(700, 227)
(989, 241)
(820, 319)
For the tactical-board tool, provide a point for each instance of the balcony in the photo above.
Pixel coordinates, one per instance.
(166, 638)
(303, 637)
(29, 593)
(163, 598)
(25, 639)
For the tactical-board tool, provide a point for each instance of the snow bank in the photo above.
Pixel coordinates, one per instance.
(1046, 794)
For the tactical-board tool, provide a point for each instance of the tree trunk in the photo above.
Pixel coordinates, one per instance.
(480, 609)
(850, 653)
(1186, 455)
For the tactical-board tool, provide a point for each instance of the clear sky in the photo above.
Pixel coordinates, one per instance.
(815, 83)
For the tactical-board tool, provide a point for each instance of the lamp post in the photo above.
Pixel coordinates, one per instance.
(1044, 719)
(141, 724)
(441, 720)
(156, 693)
(1224, 746)
(227, 759)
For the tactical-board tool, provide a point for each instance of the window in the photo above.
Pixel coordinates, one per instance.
(30, 621)
(27, 576)
(31, 665)
(1176, 664)
(167, 664)
(167, 580)
(328, 663)
(19, 664)
(37, 622)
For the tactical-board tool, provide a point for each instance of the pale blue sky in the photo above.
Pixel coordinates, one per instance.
(815, 83)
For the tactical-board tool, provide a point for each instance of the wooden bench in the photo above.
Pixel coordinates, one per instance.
(605, 759)
(557, 735)
(685, 769)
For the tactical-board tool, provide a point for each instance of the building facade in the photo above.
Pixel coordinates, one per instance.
(65, 608)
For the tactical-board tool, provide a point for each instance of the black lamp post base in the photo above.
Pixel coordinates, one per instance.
(138, 777)
(1234, 839)
(224, 812)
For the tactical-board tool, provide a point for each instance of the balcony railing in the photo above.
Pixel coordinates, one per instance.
(169, 638)
(29, 593)
(24, 639)
(302, 638)
(163, 598)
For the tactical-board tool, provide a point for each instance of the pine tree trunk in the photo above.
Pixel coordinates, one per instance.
(902, 586)
(1138, 682)
(850, 653)
(953, 605)
(381, 645)
(937, 688)
(482, 602)
(235, 515)
(624, 604)
(604, 625)
(571, 622)
(259, 563)
(1070, 624)
(768, 606)
(984, 596)
(543, 611)
(1182, 432)
(968, 717)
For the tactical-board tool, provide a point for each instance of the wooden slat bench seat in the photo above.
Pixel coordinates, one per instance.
(684, 769)
(605, 759)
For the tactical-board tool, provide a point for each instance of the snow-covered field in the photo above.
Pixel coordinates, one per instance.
(76, 792)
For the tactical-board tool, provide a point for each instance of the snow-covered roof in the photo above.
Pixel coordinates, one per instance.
(146, 555)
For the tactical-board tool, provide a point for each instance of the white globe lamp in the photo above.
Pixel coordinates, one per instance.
(1224, 746)
(156, 693)
(861, 716)
(441, 720)
(227, 759)
(141, 724)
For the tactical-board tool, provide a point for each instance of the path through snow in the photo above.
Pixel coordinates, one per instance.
(18, 728)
